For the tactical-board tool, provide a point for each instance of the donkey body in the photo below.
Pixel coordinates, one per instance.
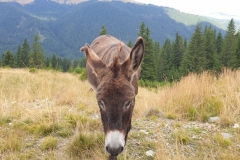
(113, 70)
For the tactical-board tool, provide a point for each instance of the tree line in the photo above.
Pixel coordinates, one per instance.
(32, 56)
(207, 50)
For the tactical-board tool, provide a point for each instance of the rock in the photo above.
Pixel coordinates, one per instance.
(150, 153)
(236, 125)
(144, 132)
(213, 119)
(155, 112)
(226, 135)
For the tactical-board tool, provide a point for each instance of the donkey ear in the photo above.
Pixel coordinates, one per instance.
(95, 62)
(136, 54)
(134, 60)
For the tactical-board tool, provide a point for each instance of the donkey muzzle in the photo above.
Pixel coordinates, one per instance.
(114, 142)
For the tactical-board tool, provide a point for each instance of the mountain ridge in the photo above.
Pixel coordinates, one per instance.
(65, 28)
(24, 2)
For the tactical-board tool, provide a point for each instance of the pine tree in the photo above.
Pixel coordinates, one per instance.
(229, 46)
(130, 44)
(178, 50)
(157, 50)
(19, 57)
(25, 53)
(176, 57)
(8, 59)
(54, 62)
(37, 56)
(219, 43)
(164, 61)
(103, 30)
(47, 62)
(237, 54)
(75, 64)
(149, 63)
(194, 59)
(209, 47)
(142, 30)
(66, 65)
(217, 57)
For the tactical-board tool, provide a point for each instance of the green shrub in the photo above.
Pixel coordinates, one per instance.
(33, 70)
(42, 129)
(148, 84)
(83, 75)
(181, 137)
(221, 141)
(210, 108)
(49, 143)
(85, 144)
(78, 70)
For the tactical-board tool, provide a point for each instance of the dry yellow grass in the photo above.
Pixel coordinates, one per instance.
(48, 103)
(197, 93)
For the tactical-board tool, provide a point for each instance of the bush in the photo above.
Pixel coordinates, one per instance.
(49, 143)
(83, 75)
(78, 70)
(148, 84)
(181, 137)
(85, 144)
(33, 70)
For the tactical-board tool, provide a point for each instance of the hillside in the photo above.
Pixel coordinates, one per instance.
(65, 28)
(45, 114)
(190, 19)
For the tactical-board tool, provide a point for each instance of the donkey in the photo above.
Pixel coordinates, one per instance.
(113, 70)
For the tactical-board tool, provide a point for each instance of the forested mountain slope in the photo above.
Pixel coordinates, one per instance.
(63, 28)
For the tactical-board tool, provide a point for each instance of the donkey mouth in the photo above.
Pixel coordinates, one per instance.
(112, 157)
(114, 152)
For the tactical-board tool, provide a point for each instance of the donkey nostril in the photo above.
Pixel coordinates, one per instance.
(107, 149)
(121, 149)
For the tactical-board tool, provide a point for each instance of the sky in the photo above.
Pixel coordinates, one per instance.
(200, 7)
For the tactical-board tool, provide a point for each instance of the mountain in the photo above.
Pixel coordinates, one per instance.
(219, 15)
(64, 28)
(23, 2)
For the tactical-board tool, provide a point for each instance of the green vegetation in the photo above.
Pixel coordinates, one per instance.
(49, 143)
(64, 28)
(84, 145)
(190, 19)
(103, 30)
(181, 137)
(221, 141)
(52, 115)
(206, 51)
(33, 58)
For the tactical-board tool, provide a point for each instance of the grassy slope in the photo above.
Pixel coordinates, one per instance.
(190, 19)
(52, 115)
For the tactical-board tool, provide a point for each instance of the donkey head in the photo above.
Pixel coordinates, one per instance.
(115, 93)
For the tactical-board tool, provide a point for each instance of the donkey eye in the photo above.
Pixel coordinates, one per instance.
(101, 105)
(127, 105)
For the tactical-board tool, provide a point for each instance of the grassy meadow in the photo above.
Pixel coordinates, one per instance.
(53, 115)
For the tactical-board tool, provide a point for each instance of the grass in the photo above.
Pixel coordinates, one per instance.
(53, 115)
(84, 145)
(49, 143)
(181, 137)
(221, 141)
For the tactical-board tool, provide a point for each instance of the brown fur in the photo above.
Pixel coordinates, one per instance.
(113, 70)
